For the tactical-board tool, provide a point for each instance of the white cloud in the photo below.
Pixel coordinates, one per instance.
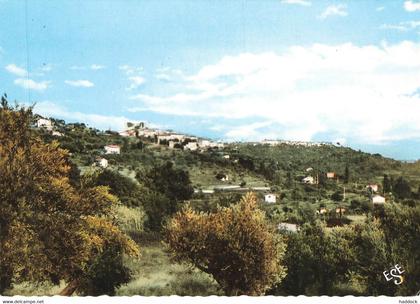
(135, 82)
(80, 83)
(18, 71)
(412, 6)
(380, 8)
(51, 109)
(93, 67)
(130, 70)
(297, 2)
(364, 93)
(97, 67)
(168, 74)
(334, 10)
(31, 84)
(247, 131)
(77, 67)
(404, 26)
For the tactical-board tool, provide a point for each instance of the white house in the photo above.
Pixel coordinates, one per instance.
(377, 199)
(308, 180)
(102, 162)
(56, 133)
(127, 133)
(44, 123)
(172, 144)
(204, 143)
(112, 149)
(321, 211)
(270, 198)
(288, 227)
(330, 174)
(374, 187)
(192, 146)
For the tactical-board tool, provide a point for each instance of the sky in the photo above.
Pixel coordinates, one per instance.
(337, 71)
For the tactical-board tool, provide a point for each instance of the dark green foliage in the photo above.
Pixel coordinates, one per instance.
(6, 275)
(355, 205)
(401, 226)
(386, 184)
(402, 188)
(167, 188)
(106, 274)
(347, 175)
(337, 196)
(174, 183)
(157, 207)
(127, 190)
(315, 259)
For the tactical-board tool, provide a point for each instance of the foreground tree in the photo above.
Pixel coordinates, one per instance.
(49, 229)
(235, 245)
(165, 189)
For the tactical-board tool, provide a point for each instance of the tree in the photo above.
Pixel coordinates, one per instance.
(402, 188)
(337, 196)
(127, 190)
(386, 184)
(50, 230)
(165, 189)
(401, 228)
(157, 207)
(346, 174)
(235, 245)
(175, 184)
(316, 260)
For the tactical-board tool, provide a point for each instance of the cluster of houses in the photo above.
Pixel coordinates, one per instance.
(171, 139)
(276, 142)
(47, 124)
(315, 180)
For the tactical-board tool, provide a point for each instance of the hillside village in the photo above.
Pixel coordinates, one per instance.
(333, 180)
(304, 212)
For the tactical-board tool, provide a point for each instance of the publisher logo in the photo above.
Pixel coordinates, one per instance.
(394, 274)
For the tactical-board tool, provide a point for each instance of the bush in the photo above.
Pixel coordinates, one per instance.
(235, 245)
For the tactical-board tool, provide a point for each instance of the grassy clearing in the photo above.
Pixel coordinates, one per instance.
(155, 275)
(30, 289)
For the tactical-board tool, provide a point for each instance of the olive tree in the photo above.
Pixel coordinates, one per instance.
(236, 245)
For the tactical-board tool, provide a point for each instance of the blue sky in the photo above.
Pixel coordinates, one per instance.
(346, 71)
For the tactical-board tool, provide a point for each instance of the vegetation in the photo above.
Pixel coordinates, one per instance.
(68, 225)
(50, 230)
(235, 245)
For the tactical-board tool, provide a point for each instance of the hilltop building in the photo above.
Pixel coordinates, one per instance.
(45, 124)
(192, 146)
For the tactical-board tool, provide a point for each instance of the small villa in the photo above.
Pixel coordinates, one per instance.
(308, 180)
(378, 199)
(270, 198)
(112, 149)
(330, 174)
(288, 227)
(373, 187)
(102, 162)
